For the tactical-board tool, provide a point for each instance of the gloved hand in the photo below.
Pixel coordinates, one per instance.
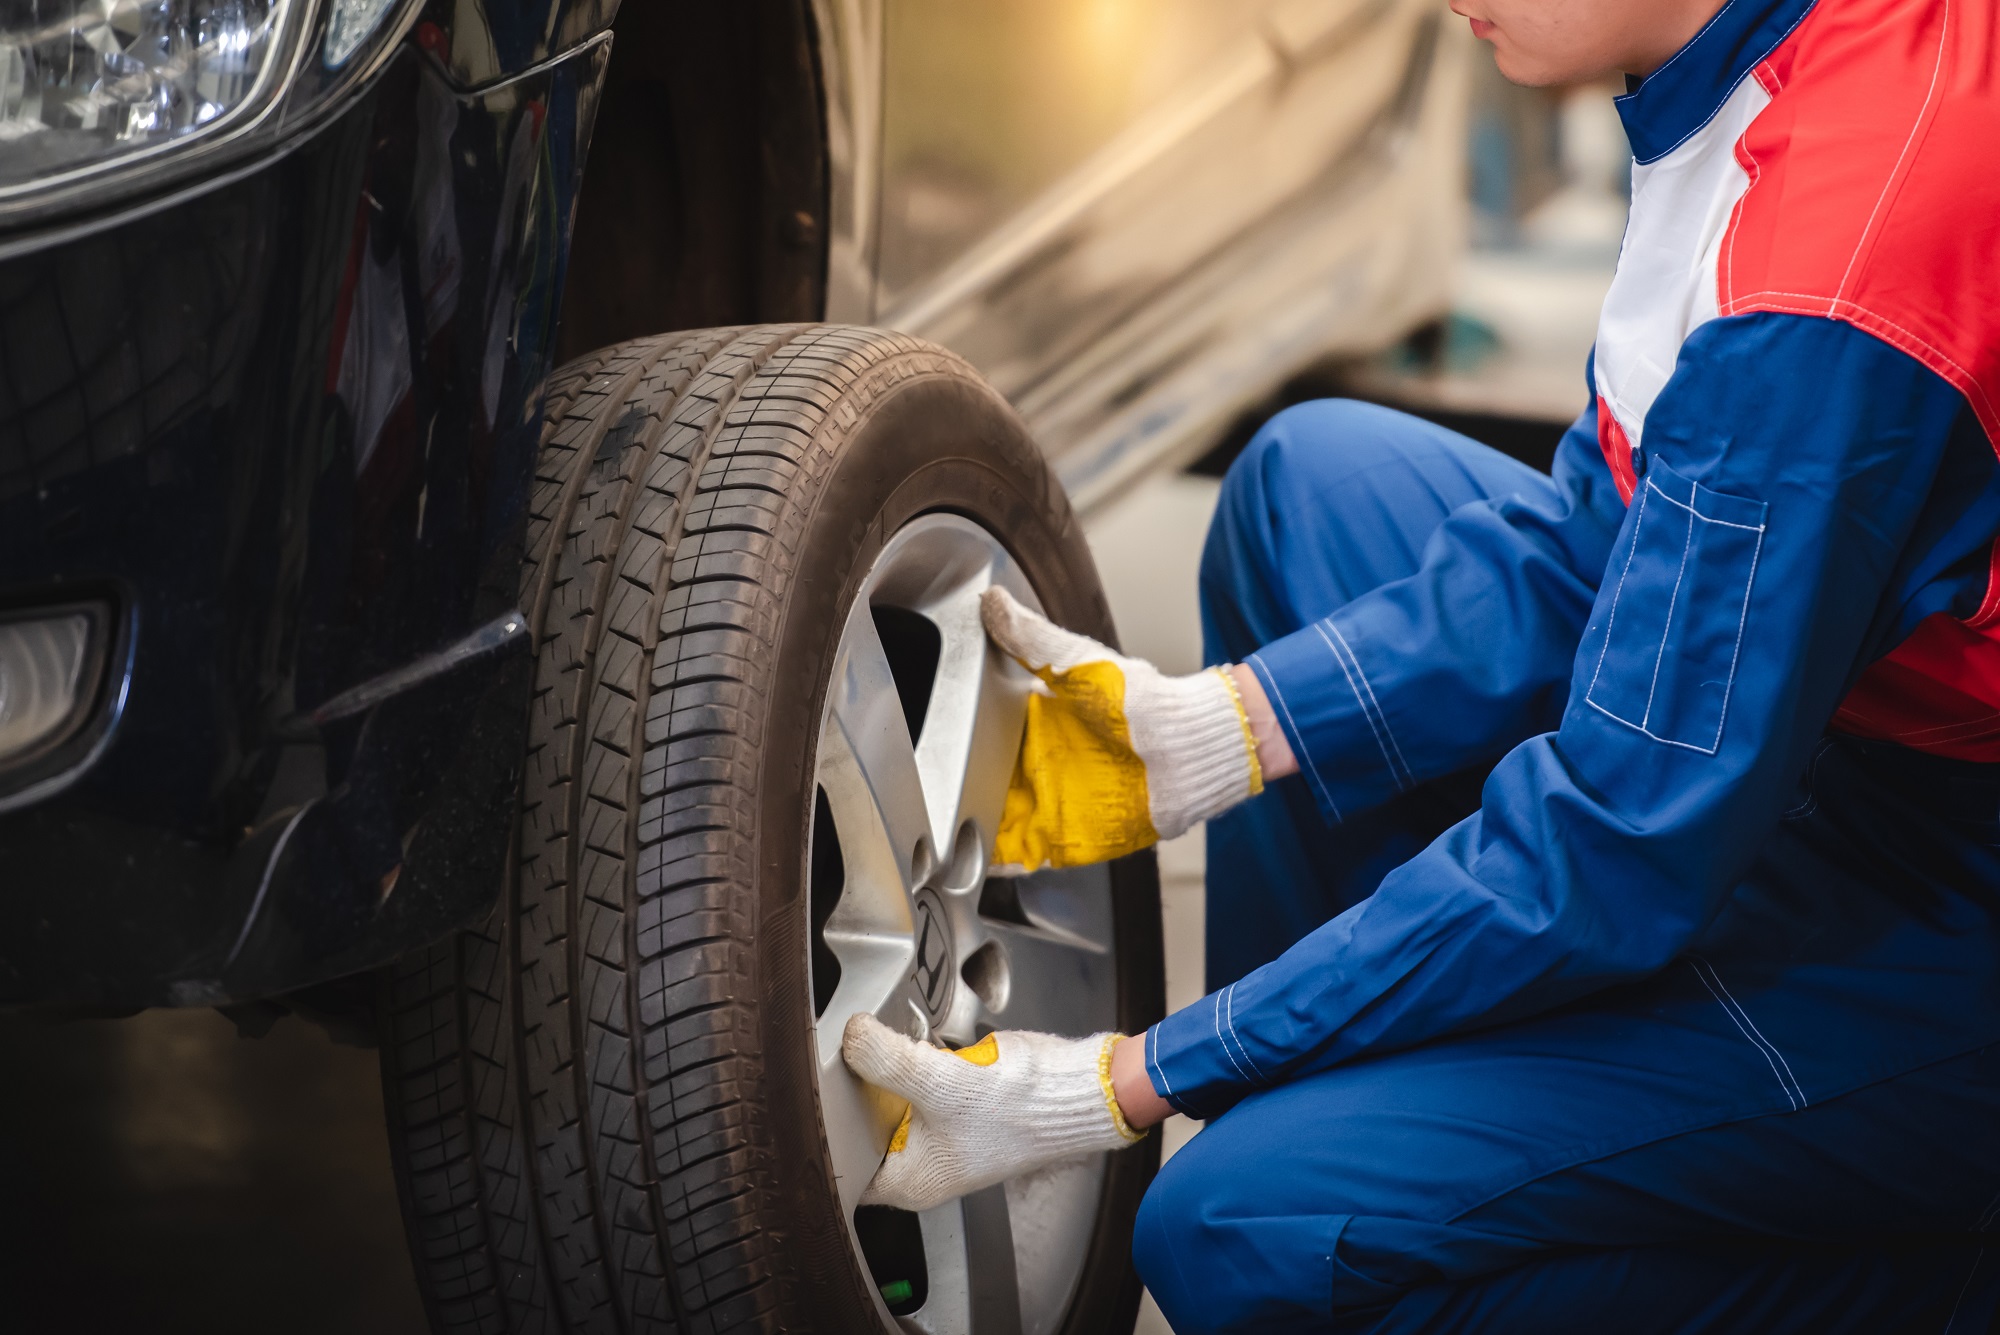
(1009, 1104)
(1116, 756)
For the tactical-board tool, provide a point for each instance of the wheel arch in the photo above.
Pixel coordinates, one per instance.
(705, 194)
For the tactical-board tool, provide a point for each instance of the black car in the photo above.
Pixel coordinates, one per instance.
(596, 740)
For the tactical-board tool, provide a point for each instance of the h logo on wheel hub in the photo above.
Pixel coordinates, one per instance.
(933, 972)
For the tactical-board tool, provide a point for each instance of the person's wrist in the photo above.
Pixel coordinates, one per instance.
(1133, 1087)
(1274, 751)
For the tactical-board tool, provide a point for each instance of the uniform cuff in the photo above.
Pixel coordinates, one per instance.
(1332, 716)
(1197, 1061)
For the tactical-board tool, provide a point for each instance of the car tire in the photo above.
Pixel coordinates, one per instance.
(605, 1103)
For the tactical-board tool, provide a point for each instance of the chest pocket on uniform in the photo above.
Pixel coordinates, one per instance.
(1679, 604)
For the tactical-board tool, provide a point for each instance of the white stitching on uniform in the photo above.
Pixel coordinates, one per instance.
(1240, 1072)
(1706, 519)
(1937, 72)
(1611, 617)
(1746, 1034)
(1153, 1062)
(1736, 651)
(1360, 703)
(1853, 312)
(1961, 731)
(1650, 490)
(1229, 1018)
(1674, 59)
(1663, 741)
(1375, 725)
(1402, 766)
(1978, 1260)
(1305, 757)
(1755, 173)
(1653, 688)
(1921, 342)
(1740, 1018)
(1732, 87)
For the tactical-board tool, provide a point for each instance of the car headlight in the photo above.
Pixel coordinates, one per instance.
(348, 25)
(89, 87)
(86, 80)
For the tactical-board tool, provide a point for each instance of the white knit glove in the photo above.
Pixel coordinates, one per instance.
(1116, 755)
(1009, 1104)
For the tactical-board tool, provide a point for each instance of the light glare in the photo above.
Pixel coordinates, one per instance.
(348, 25)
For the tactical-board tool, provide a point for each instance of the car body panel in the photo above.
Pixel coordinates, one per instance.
(289, 421)
(1144, 216)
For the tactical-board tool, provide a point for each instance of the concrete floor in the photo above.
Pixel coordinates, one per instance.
(161, 1175)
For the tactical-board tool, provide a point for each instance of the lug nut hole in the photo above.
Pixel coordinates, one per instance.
(968, 859)
(986, 972)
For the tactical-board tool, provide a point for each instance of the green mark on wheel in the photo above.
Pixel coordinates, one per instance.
(897, 1291)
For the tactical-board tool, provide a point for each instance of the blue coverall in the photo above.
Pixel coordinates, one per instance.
(1656, 1039)
(1588, 978)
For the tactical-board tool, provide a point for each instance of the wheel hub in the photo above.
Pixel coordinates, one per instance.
(935, 972)
(921, 727)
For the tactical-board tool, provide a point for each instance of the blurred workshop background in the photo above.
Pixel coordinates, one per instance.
(162, 1173)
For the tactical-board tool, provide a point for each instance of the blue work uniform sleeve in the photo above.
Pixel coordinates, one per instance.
(1785, 465)
(1452, 666)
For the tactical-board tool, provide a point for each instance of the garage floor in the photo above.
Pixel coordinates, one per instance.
(161, 1174)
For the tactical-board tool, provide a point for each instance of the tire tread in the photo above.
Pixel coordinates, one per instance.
(572, 1083)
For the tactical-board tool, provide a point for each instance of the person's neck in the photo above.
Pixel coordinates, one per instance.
(1672, 25)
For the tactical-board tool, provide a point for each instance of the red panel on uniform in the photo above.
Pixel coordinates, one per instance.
(1939, 692)
(1617, 449)
(1874, 199)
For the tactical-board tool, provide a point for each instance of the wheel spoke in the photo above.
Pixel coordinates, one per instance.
(1055, 1212)
(969, 1254)
(973, 729)
(868, 770)
(870, 930)
(989, 1254)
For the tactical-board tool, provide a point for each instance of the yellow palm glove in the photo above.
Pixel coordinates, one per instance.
(1116, 755)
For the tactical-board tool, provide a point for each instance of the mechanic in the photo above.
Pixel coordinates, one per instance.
(1623, 955)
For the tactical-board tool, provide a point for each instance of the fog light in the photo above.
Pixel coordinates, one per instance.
(41, 679)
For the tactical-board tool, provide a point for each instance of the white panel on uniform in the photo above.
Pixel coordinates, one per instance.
(1666, 282)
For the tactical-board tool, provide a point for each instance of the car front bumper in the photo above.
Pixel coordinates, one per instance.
(285, 424)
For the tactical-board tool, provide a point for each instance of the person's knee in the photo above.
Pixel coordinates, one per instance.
(1302, 451)
(1322, 442)
(1220, 1254)
(1173, 1252)
(1306, 473)
(1311, 452)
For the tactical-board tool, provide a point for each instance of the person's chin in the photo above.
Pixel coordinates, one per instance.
(1527, 73)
